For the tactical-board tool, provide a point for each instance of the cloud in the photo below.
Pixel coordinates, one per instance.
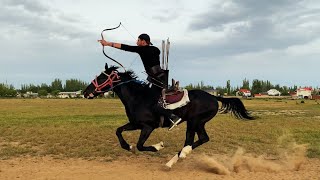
(257, 25)
(38, 20)
(211, 41)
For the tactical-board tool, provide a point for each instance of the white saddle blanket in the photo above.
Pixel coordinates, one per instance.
(184, 101)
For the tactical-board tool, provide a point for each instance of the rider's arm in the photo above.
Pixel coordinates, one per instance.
(129, 48)
(119, 46)
(111, 44)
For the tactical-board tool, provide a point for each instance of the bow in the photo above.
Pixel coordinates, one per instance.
(103, 46)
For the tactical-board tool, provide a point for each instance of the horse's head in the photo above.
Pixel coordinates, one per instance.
(102, 83)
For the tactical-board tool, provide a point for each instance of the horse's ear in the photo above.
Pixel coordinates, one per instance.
(106, 66)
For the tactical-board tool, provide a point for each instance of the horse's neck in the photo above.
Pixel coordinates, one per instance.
(129, 92)
(124, 92)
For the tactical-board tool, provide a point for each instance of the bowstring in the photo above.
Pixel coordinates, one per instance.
(132, 37)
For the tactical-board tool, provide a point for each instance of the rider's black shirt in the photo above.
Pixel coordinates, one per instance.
(150, 55)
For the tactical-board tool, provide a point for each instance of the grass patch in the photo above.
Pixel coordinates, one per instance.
(86, 129)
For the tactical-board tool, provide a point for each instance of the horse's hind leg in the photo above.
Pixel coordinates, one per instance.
(193, 127)
(187, 146)
(202, 137)
(126, 127)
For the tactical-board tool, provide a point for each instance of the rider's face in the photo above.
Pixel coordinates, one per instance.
(141, 42)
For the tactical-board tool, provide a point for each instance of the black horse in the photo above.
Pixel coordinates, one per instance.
(138, 98)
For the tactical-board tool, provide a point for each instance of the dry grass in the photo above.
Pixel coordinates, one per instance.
(86, 129)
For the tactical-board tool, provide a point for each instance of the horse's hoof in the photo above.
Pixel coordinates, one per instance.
(172, 161)
(158, 146)
(168, 167)
(133, 149)
(185, 151)
(182, 155)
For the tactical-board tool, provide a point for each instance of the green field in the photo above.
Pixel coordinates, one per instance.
(81, 128)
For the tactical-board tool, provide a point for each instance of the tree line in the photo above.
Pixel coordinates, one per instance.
(43, 89)
(71, 85)
(256, 87)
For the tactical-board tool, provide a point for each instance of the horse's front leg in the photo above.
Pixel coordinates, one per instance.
(144, 135)
(126, 127)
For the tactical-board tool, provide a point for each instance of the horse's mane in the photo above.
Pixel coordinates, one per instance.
(128, 74)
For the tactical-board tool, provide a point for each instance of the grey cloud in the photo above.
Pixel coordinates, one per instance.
(28, 5)
(166, 16)
(171, 13)
(241, 10)
(38, 20)
(272, 24)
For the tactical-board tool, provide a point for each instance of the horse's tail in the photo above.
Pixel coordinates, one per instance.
(235, 106)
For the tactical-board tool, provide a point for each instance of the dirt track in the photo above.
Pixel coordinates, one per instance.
(139, 168)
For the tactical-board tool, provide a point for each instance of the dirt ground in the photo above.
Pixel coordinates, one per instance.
(194, 167)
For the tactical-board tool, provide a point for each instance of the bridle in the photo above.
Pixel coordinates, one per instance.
(112, 78)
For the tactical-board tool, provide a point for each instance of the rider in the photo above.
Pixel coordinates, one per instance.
(150, 56)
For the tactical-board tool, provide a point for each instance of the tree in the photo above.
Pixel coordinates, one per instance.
(45, 87)
(189, 87)
(55, 93)
(42, 92)
(33, 88)
(75, 85)
(228, 87)
(7, 90)
(256, 86)
(284, 90)
(56, 85)
(245, 84)
(220, 90)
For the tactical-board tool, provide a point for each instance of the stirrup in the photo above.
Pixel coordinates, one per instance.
(174, 124)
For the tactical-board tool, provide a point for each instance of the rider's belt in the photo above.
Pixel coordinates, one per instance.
(154, 70)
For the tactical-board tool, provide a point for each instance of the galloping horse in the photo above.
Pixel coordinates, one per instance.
(138, 99)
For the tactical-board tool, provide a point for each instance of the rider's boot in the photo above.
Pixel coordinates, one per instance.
(175, 120)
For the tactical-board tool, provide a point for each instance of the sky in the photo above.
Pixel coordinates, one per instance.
(211, 40)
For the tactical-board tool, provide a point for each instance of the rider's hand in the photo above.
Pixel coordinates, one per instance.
(103, 42)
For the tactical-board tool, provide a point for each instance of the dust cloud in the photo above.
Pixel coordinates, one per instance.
(291, 157)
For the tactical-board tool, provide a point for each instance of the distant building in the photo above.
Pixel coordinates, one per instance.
(30, 94)
(65, 95)
(244, 92)
(274, 92)
(305, 93)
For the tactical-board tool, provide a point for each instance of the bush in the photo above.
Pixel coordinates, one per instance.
(7, 91)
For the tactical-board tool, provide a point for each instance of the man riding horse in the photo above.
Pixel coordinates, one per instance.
(142, 107)
(150, 56)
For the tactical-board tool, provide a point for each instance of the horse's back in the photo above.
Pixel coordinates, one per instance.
(201, 102)
(200, 95)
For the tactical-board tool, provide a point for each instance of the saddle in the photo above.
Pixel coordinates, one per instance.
(173, 98)
(173, 94)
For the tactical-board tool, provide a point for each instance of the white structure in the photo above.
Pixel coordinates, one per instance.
(304, 93)
(274, 92)
(30, 94)
(244, 93)
(70, 94)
